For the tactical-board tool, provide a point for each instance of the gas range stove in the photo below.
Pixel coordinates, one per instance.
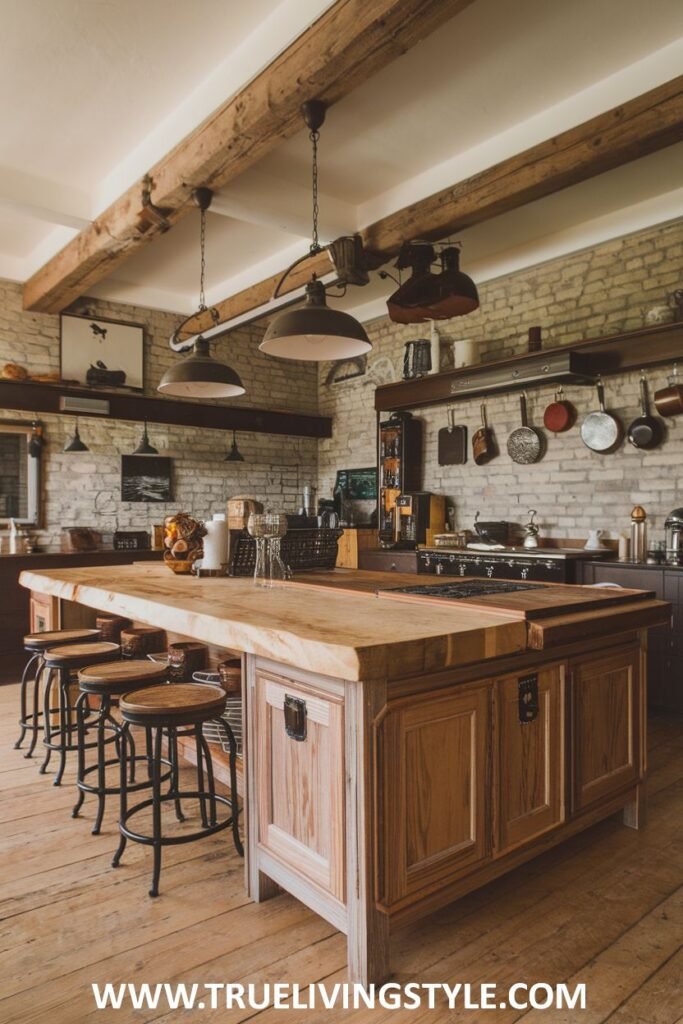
(556, 565)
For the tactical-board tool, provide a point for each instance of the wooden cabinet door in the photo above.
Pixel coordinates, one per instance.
(301, 782)
(529, 776)
(44, 613)
(434, 764)
(605, 725)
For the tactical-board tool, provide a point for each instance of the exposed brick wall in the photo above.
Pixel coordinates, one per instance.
(84, 489)
(597, 291)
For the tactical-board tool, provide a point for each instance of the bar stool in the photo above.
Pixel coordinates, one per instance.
(60, 662)
(35, 644)
(108, 682)
(166, 709)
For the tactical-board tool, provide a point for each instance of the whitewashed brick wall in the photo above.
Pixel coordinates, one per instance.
(84, 489)
(601, 290)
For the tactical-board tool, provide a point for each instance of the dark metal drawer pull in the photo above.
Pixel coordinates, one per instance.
(527, 690)
(295, 717)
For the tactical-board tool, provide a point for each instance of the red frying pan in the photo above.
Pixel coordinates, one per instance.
(560, 415)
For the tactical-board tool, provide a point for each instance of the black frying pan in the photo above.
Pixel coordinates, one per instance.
(645, 431)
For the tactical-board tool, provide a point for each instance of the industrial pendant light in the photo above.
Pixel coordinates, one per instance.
(200, 375)
(74, 444)
(427, 296)
(145, 448)
(314, 331)
(234, 455)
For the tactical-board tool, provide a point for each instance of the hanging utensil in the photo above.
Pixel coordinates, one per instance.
(483, 442)
(452, 443)
(645, 431)
(601, 431)
(525, 444)
(560, 415)
(669, 400)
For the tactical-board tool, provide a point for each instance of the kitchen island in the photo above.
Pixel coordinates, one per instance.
(405, 749)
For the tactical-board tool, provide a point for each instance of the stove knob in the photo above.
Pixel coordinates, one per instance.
(511, 564)
(462, 570)
(427, 561)
(489, 571)
(439, 569)
(451, 558)
(525, 573)
(549, 565)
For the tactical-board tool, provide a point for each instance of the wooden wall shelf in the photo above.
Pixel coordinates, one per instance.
(45, 398)
(577, 363)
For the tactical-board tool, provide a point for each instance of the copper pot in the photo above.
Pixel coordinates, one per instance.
(669, 400)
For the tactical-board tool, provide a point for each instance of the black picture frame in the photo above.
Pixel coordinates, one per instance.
(87, 341)
(146, 478)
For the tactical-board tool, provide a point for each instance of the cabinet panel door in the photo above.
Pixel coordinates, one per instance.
(530, 776)
(606, 725)
(44, 613)
(301, 782)
(434, 764)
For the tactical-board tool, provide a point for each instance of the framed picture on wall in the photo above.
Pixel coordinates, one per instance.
(146, 478)
(102, 353)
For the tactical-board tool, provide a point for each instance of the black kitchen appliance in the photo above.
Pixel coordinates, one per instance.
(550, 565)
(399, 468)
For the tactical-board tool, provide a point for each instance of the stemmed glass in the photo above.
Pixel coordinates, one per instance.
(268, 529)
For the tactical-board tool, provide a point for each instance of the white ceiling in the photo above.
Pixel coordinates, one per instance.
(93, 92)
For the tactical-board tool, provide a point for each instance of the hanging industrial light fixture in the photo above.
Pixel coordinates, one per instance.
(314, 331)
(74, 444)
(200, 375)
(145, 448)
(234, 455)
(427, 296)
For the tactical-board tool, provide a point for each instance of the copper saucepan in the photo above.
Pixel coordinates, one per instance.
(669, 400)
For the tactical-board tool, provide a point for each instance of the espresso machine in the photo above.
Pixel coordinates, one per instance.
(418, 517)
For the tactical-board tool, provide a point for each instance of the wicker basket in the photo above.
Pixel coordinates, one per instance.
(232, 716)
(300, 549)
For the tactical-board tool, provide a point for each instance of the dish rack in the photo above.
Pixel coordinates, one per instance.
(232, 715)
(314, 548)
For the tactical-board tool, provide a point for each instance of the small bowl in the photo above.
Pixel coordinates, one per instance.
(180, 566)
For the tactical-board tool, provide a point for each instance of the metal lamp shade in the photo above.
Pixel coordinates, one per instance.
(314, 332)
(234, 455)
(145, 448)
(201, 376)
(74, 444)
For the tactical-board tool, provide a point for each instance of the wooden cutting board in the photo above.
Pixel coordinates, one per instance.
(544, 600)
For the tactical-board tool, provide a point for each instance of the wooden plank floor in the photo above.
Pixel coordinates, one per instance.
(605, 908)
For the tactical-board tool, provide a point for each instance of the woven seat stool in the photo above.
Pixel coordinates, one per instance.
(60, 663)
(179, 709)
(35, 644)
(108, 682)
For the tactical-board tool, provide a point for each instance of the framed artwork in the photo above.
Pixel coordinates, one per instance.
(146, 478)
(102, 353)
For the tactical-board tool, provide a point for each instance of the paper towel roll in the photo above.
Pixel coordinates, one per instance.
(215, 542)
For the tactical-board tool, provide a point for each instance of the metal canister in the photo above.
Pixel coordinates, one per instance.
(638, 534)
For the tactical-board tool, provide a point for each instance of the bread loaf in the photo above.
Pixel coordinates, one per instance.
(12, 371)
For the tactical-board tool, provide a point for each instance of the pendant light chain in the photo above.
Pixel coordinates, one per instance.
(314, 136)
(202, 266)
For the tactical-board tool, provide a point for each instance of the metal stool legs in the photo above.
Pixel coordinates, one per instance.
(26, 723)
(205, 794)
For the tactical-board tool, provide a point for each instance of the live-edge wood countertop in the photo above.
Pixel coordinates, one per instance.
(335, 623)
(352, 636)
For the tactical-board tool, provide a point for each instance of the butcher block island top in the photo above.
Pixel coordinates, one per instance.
(348, 623)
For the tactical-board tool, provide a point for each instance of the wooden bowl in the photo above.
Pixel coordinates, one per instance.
(180, 566)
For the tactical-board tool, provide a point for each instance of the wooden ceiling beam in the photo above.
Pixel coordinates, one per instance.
(634, 129)
(347, 45)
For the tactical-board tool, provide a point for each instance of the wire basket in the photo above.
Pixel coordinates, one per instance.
(215, 731)
(314, 548)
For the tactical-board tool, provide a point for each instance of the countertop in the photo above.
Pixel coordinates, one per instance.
(339, 623)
